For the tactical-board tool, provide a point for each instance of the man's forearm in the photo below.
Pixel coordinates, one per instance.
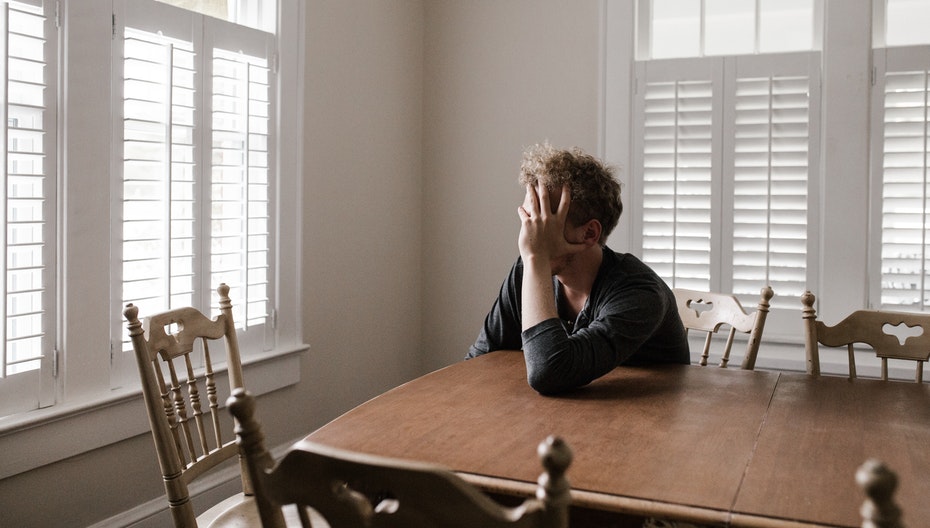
(538, 297)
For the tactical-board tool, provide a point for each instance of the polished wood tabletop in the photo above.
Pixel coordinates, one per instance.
(819, 430)
(749, 448)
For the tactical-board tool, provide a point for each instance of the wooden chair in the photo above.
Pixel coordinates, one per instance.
(870, 327)
(356, 490)
(708, 312)
(181, 400)
(879, 509)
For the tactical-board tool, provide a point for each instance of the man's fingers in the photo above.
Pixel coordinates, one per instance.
(565, 200)
(529, 202)
(543, 194)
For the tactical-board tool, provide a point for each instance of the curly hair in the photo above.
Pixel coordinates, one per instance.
(595, 191)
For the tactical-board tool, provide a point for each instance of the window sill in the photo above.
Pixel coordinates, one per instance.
(45, 436)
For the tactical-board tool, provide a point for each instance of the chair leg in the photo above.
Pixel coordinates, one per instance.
(852, 361)
(706, 351)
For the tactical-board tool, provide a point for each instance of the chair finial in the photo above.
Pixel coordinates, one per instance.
(807, 299)
(131, 313)
(767, 293)
(878, 482)
(241, 404)
(554, 488)
(555, 454)
(225, 301)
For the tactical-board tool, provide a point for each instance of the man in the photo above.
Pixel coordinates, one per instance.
(576, 308)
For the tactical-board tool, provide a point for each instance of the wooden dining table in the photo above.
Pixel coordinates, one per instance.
(705, 444)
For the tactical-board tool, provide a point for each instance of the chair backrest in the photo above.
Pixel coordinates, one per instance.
(879, 510)
(356, 490)
(180, 394)
(879, 329)
(708, 312)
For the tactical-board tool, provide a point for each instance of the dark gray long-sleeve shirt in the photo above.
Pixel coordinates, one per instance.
(630, 318)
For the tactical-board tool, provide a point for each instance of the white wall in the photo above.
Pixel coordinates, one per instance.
(362, 199)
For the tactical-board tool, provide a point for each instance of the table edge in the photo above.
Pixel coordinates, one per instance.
(602, 501)
(637, 506)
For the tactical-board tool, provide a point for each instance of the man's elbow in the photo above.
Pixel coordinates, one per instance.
(545, 382)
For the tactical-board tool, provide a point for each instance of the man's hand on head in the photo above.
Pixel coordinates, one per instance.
(542, 225)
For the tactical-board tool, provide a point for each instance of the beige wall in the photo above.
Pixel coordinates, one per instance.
(499, 76)
(416, 117)
(362, 199)
(416, 112)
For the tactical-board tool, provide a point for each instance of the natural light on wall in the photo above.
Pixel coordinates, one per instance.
(729, 27)
(258, 14)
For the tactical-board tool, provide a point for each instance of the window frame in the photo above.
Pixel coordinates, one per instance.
(843, 194)
(83, 390)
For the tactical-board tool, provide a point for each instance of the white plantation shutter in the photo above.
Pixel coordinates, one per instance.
(727, 152)
(678, 173)
(28, 202)
(159, 187)
(241, 189)
(198, 99)
(770, 159)
(677, 181)
(901, 165)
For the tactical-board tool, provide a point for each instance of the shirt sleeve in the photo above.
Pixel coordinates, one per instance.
(622, 322)
(501, 329)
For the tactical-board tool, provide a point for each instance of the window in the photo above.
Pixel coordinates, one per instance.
(688, 28)
(28, 332)
(205, 140)
(901, 60)
(905, 22)
(168, 183)
(726, 150)
(197, 137)
(258, 14)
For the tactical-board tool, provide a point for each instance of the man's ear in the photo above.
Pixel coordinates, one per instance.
(592, 232)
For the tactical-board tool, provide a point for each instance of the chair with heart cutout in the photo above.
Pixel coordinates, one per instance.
(709, 312)
(901, 336)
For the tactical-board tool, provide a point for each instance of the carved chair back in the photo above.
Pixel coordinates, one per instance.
(709, 312)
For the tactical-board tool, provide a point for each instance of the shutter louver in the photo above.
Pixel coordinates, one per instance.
(677, 186)
(159, 205)
(770, 179)
(27, 200)
(904, 258)
(241, 194)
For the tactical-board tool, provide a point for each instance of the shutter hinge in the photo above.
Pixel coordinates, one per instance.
(58, 14)
(274, 63)
(55, 355)
(874, 75)
(113, 25)
(274, 318)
